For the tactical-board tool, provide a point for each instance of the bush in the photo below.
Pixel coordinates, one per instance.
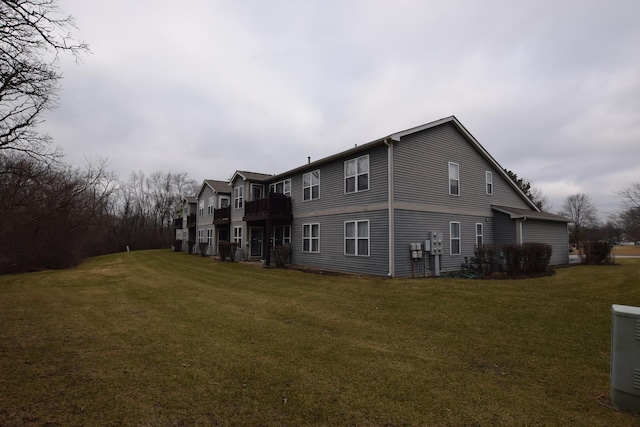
(177, 245)
(281, 255)
(227, 250)
(191, 244)
(596, 253)
(529, 258)
(203, 246)
(484, 255)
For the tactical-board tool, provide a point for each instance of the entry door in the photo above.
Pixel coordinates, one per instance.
(255, 236)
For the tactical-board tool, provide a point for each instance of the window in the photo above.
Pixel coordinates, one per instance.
(282, 187)
(311, 185)
(356, 238)
(237, 236)
(478, 234)
(200, 236)
(356, 174)
(454, 179)
(210, 237)
(454, 233)
(280, 235)
(257, 191)
(237, 197)
(489, 179)
(210, 206)
(310, 237)
(201, 207)
(223, 201)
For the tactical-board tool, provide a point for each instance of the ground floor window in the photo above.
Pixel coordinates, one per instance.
(478, 234)
(310, 237)
(454, 236)
(356, 238)
(200, 236)
(210, 237)
(237, 236)
(280, 235)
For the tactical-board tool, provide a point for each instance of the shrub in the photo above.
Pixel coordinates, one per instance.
(529, 258)
(203, 246)
(227, 250)
(596, 253)
(281, 255)
(484, 255)
(191, 244)
(222, 250)
(177, 245)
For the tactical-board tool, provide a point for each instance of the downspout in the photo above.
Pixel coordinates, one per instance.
(391, 209)
(520, 231)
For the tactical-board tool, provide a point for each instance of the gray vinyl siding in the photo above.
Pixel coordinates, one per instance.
(413, 227)
(331, 255)
(332, 193)
(504, 229)
(552, 233)
(421, 166)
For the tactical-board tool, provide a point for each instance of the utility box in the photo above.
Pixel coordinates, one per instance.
(436, 242)
(625, 357)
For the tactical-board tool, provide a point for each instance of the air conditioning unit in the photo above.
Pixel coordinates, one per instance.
(625, 357)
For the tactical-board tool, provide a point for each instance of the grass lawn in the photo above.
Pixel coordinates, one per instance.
(162, 338)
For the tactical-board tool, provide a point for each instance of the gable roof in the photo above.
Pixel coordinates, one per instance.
(250, 176)
(396, 137)
(517, 213)
(215, 185)
(190, 199)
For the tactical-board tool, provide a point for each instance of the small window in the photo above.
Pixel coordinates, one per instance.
(257, 191)
(356, 238)
(223, 201)
(201, 207)
(311, 185)
(454, 179)
(237, 236)
(479, 234)
(210, 237)
(237, 197)
(310, 237)
(454, 233)
(489, 179)
(210, 206)
(356, 174)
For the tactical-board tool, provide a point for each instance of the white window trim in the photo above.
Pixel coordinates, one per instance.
(481, 235)
(237, 237)
(253, 193)
(311, 185)
(201, 207)
(284, 182)
(368, 173)
(311, 238)
(238, 197)
(200, 236)
(454, 179)
(488, 176)
(210, 206)
(221, 198)
(210, 237)
(451, 238)
(357, 238)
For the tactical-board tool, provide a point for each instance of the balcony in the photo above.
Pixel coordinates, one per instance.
(177, 223)
(275, 206)
(191, 221)
(222, 216)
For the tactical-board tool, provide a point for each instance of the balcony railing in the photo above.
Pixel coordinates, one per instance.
(177, 223)
(191, 220)
(275, 206)
(222, 216)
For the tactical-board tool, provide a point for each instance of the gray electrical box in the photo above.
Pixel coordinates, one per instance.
(436, 242)
(625, 357)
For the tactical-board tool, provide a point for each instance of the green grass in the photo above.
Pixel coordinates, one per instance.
(162, 338)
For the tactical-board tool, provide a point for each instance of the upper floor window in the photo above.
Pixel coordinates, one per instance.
(257, 191)
(454, 235)
(454, 179)
(223, 201)
(201, 207)
(311, 185)
(356, 174)
(282, 187)
(310, 237)
(489, 180)
(238, 196)
(356, 238)
(479, 234)
(210, 206)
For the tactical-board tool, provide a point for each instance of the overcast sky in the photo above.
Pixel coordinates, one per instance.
(550, 88)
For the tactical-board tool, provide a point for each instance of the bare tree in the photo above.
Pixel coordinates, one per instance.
(630, 220)
(631, 195)
(541, 200)
(32, 35)
(581, 210)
